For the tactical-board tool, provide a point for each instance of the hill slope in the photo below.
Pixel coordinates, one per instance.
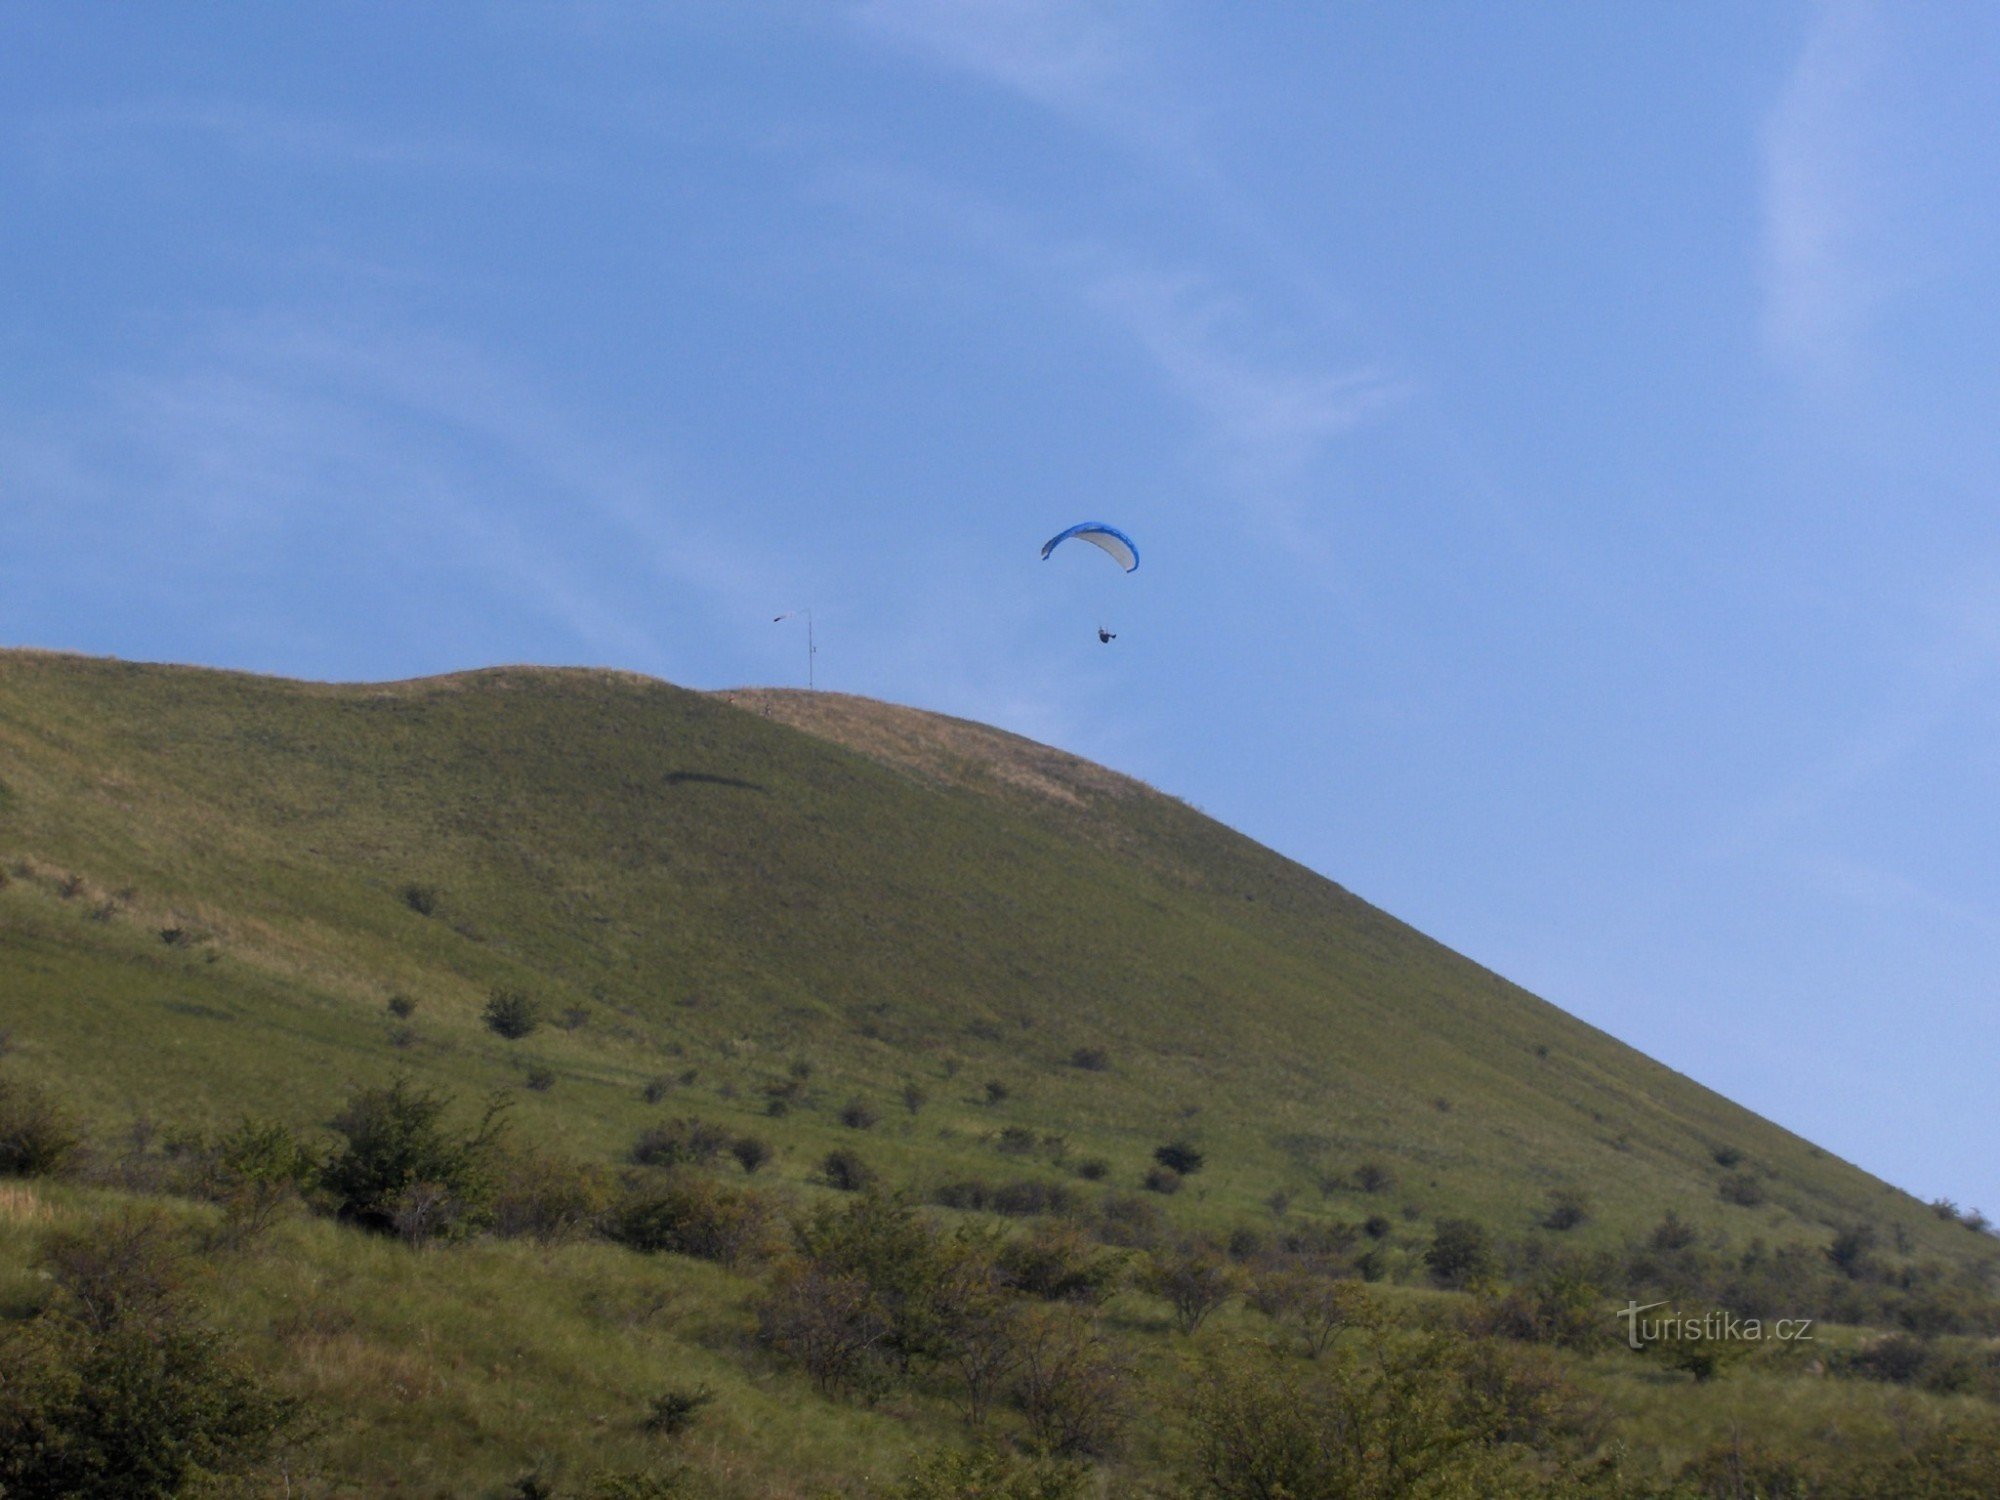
(215, 882)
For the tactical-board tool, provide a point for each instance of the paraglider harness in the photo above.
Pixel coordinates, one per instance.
(1105, 637)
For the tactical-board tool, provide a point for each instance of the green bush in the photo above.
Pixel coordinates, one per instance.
(1193, 1278)
(512, 1014)
(256, 1171)
(548, 1198)
(685, 1214)
(1460, 1252)
(1183, 1157)
(845, 1170)
(684, 1142)
(751, 1152)
(1056, 1262)
(118, 1390)
(1742, 1189)
(674, 1410)
(37, 1136)
(400, 1170)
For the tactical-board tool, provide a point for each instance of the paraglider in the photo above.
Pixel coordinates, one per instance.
(1119, 547)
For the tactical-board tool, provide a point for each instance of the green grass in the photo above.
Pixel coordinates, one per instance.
(722, 885)
(724, 892)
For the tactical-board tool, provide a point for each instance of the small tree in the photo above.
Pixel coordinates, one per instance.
(512, 1014)
(1460, 1252)
(257, 1170)
(1193, 1278)
(399, 1169)
(914, 1097)
(1071, 1384)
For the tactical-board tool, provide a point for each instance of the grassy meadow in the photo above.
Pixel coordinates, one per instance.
(998, 978)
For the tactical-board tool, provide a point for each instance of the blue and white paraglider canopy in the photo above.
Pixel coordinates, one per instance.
(1121, 547)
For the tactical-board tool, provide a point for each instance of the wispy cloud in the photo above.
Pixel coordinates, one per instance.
(257, 133)
(1272, 397)
(1818, 194)
(1080, 58)
(1277, 418)
(280, 470)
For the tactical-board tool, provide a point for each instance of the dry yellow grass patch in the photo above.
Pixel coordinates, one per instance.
(939, 748)
(19, 1204)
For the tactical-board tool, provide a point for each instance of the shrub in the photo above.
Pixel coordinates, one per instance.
(751, 1152)
(657, 1088)
(1056, 1263)
(1377, 1227)
(1672, 1233)
(1181, 1157)
(118, 1390)
(1193, 1278)
(1460, 1251)
(996, 1091)
(830, 1322)
(1374, 1177)
(512, 1014)
(37, 1138)
(1726, 1156)
(575, 1018)
(540, 1077)
(683, 1142)
(1093, 1169)
(689, 1215)
(856, 1115)
(1015, 1140)
(1852, 1251)
(1072, 1386)
(845, 1170)
(1128, 1220)
(421, 899)
(256, 1171)
(1568, 1207)
(400, 1170)
(402, 1007)
(674, 1410)
(1259, 1423)
(1741, 1188)
(549, 1198)
(1310, 1306)
(1163, 1180)
(914, 1097)
(1559, 1306)
(1090, 1059)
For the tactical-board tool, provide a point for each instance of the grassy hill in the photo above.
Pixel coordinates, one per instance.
(729, 883)
(994, 960)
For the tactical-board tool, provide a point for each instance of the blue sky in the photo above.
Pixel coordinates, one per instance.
(1561, 436)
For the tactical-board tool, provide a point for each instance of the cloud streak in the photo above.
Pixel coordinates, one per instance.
(1817, 192)
(282, 470)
